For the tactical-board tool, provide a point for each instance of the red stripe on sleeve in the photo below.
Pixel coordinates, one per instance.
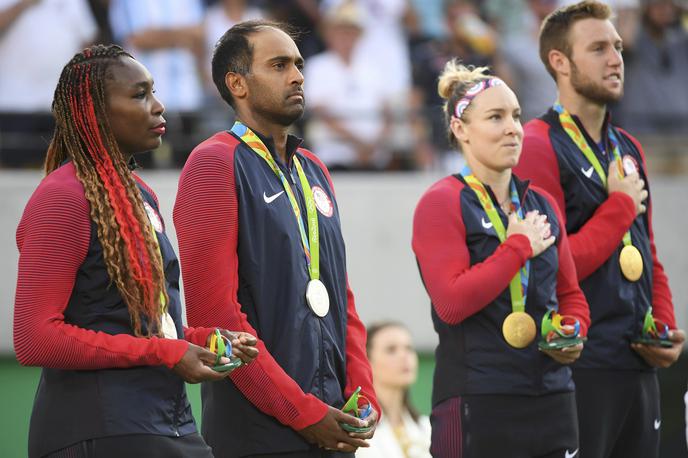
(662, 303)
(206, 220)
(53, 239)
(457, 289)
(571, 299)
(358, 372)
(601, 235)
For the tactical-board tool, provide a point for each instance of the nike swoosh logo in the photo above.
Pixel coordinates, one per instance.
(271, 198)
(658, 423)
(587, 173)
(486, 225)
(568, 454)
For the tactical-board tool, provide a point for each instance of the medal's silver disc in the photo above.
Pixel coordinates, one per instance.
(169, 330)
(317, 298)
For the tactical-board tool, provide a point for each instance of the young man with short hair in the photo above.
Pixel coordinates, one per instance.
(596, 172)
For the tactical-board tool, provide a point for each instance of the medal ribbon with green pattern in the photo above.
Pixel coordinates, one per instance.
(518, 286)
(571, 128)
(310, 240)
(163, 301)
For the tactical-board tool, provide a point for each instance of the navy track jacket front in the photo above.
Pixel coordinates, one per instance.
(244, 268)
(596, 222)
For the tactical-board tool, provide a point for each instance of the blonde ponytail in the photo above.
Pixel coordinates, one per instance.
(452, 85)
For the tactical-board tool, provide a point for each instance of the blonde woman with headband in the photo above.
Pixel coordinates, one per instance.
(495, 260)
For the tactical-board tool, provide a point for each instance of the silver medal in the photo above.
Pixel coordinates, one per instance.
(317, 298)
(169, 330)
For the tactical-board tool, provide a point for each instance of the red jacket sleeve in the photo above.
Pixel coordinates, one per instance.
(457, 289)
(597, 239)
(206, 220)
(571, 299)
(662, 304)
(53, 239)
(358, 372)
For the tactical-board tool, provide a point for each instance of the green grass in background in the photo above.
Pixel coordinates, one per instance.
(18, 387)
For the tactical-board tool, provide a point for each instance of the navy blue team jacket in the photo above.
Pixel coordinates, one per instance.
(552, 160)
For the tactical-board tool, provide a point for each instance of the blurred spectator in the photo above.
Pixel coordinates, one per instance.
(469, 39)
(304, 16)
(430, 17)
(384, 44)
(401, 433)
(346, 96)
(507, 16)
(222, 16)
(656, 57)
(384, 39)
(36, 38)
(167, 37)
(518, 63)
(101, 14)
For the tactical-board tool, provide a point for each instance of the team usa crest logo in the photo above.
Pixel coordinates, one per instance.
(322, 201)
(153, 217)
(630, 165)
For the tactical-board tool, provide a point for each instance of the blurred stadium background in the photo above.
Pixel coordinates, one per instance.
(387, 101)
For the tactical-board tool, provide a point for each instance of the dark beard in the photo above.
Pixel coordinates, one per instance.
(591, 91)
(284, 117)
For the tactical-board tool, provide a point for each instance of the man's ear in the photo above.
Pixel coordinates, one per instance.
(458, 128)
(559, 62)
(236, 84)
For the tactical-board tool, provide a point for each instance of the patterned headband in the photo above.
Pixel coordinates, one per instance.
(473, 92)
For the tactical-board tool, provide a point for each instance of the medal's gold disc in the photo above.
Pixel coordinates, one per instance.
(631, 263)
(519, 329)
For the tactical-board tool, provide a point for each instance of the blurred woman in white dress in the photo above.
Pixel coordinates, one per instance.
(402, 432)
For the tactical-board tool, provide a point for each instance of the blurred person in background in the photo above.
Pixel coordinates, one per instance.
(494, 258)
(97, 303)
(384, 41)
(304, 16)
(518, 62)
(402, 432)
(655, 97)
(509, 17)
(384, 44)
(219, 18)
(348, 119)
(473, 42)
(36, 38)
(429, 19)
(167, 37)
(597, 175)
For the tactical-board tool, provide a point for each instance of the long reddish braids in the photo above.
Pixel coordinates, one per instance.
(83, 134)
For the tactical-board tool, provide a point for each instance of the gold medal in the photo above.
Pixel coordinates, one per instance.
(631, 263)
(519, 329)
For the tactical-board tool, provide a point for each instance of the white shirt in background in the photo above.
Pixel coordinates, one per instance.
(36, 47)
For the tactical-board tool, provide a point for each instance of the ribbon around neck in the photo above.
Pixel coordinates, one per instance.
(310, 240)
(518, 286)
(574, 132)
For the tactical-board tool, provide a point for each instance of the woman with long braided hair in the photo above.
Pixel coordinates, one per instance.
(97, 302)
